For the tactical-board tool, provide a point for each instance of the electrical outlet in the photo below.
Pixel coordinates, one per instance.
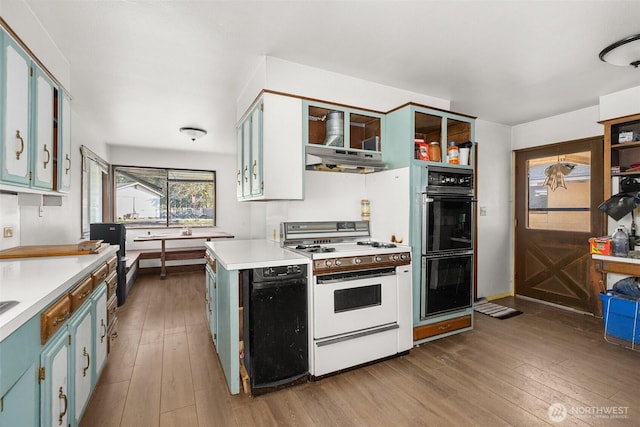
(8, 232)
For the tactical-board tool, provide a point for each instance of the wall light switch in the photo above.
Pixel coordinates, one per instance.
(483, 211)
(8, 232)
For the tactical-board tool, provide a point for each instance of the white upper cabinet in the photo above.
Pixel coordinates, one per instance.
(270, 150)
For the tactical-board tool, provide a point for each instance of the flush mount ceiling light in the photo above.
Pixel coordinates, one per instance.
(623, 52)
(193, 133)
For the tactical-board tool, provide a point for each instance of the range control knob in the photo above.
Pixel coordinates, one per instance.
(395, 257)
(357, 261)
(377, 258)
(404, 256)
(338, 262)
(328, 263)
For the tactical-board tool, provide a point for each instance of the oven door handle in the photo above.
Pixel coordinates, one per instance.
(277, 284)
(357, 335)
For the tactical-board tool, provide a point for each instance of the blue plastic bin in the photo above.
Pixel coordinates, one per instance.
(621, 317)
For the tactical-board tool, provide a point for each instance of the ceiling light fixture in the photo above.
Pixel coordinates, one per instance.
(623, 52)
(193, 133)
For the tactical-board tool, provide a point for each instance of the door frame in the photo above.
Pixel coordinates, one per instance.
(598, 219)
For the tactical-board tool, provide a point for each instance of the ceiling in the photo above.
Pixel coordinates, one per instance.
(142, 69)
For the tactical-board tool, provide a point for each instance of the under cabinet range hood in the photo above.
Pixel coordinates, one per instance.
(323, 158)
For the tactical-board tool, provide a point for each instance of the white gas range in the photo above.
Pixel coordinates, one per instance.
(360, 300)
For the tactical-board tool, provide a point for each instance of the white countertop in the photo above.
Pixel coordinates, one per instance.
(37, 282)
(244, 254)
(616, 259)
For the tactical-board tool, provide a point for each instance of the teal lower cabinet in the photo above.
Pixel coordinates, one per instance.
(81, 355)
(225, 315)
(18, 407)
(212, 315)
(100, 336)
(54, 385)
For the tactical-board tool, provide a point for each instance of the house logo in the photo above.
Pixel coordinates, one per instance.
(557, 412)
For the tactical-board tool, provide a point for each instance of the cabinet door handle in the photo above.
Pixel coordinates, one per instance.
(255, 169)
(62, 396)
(46, 162)
(104, 328)
(246, 169)
(21, 145)
(238, 177)
(85, 354)
(68, 168)
(61, 319)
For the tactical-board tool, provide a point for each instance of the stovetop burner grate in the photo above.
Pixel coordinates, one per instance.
(378, 244)
(315, 248)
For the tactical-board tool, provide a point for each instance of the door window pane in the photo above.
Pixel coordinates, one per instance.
(559, 192)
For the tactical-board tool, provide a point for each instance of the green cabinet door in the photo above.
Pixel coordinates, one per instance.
(18, 407)
(55, 398)
(81, 359)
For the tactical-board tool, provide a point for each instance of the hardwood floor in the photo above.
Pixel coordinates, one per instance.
(163, 372)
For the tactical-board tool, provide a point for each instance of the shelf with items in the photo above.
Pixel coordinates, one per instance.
(621, 149)
(418, 132)
(334, 126)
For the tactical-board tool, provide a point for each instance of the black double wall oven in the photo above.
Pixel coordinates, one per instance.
(447, 241)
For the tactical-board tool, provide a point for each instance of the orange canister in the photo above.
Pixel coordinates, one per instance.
(453, 153)
(435, 154)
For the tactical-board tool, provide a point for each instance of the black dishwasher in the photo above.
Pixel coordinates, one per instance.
(275, 326)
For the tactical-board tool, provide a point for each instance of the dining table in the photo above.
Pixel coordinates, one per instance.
(163, 238)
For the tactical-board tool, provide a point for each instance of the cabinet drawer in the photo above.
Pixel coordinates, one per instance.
(112, 263)
(99, 275)
(438, 328)
(112, 284)
(112, 307)
(80, 293)
(54, 317)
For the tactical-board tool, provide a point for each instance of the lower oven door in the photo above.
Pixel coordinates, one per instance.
(447, 283)
(354, 301)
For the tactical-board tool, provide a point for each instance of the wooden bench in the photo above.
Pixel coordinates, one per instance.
(171, 254)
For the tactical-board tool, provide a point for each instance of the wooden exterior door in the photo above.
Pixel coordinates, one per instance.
(558, 190)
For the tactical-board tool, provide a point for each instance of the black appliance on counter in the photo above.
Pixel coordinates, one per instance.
(447, 241)
(275, 330)
(114, 234)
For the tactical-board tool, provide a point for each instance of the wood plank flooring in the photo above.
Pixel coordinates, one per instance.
(163, 372)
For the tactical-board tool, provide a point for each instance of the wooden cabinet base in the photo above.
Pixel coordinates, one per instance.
(439, 328)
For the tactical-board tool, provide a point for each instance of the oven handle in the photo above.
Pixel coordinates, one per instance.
(351, 276)
(430, 198)
(278, 284)
(358, 335)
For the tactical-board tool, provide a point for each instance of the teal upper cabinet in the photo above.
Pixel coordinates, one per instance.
(270, 150)
(64, 145)
(331, 129)
(45, 132)
(35, 145)
(420, 135)
(16, 135)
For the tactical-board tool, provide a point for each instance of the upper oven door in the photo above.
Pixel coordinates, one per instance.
(353, 301)
(447, 223)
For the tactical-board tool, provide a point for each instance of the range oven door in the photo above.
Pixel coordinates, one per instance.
(352, 301)
(446, 283)
(447, 221)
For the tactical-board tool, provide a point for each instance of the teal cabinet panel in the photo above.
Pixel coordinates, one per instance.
(55, 397)
(19, 406)
(227, 311)
(64, 144)
(211, 311)
(256, 151)
(17, 352)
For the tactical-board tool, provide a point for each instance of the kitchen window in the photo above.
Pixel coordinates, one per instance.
(157, 197)
(95, 190)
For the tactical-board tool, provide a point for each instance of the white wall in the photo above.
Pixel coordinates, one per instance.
(494, 193)
(296, 79)
(620, 104)
(563, 127)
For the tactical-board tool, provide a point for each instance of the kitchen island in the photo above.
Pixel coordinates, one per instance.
(225, 261)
